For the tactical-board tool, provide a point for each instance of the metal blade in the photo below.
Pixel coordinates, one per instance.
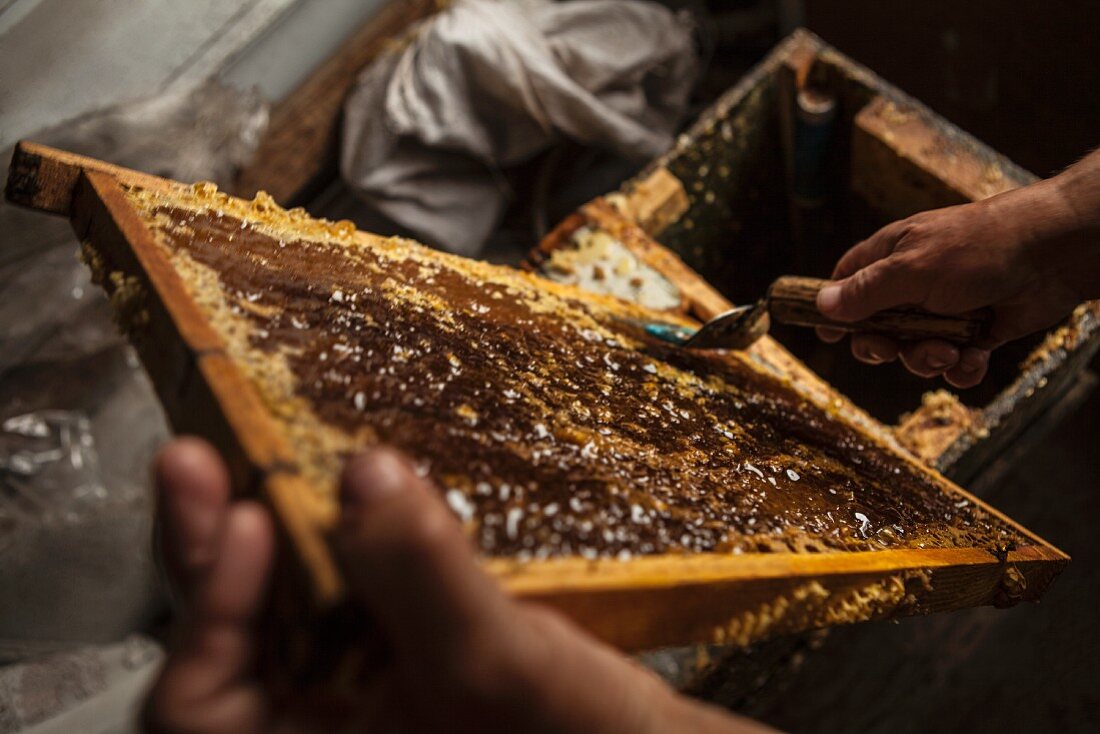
(737, 328)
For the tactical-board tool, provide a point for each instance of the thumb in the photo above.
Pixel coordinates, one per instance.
(408, 562)
(206, 683)
(883, 284)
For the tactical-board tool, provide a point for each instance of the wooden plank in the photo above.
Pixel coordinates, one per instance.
(654, 201)
(902, 164)
(107, 220)
(44, 178)
(664, 601)
(167, 340)
(299, 147)
(289, 494)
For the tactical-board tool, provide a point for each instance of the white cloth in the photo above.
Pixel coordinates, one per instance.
(490, 83)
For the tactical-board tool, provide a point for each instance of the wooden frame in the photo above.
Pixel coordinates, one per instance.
(644, 603)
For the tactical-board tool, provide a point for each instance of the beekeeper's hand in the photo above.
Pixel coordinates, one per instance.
(464, 656)
(1031, 255)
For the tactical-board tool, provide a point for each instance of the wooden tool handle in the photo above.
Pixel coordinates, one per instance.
(793, 300)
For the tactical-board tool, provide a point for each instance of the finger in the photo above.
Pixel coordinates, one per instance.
(929, 358)
(971, 369)
(408, 561)
(874, 349)
(829, 336)
(206, 683)
(872, 249)
(193, 495)
(232, 591)
(882, 284)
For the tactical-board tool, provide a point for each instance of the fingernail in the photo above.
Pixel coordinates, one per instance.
(828, 298)
(372, 476)
(936, 362)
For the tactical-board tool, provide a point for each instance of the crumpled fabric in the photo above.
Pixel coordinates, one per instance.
(488, 84)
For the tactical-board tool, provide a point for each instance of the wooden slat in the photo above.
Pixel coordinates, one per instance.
(654, 201)
(668, 600)
(299, 147)
(44, 178)
(902, 164)
(288, 494)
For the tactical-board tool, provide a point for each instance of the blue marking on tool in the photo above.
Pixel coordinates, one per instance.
(670, 332)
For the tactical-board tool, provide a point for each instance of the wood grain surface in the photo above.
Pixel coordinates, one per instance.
(793, 300)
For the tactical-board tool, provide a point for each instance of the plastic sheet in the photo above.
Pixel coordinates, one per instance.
(54, 451)
(79, 421)
(92, 690)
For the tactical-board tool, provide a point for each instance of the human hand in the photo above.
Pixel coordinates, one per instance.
(994, 253)
(464, 655)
